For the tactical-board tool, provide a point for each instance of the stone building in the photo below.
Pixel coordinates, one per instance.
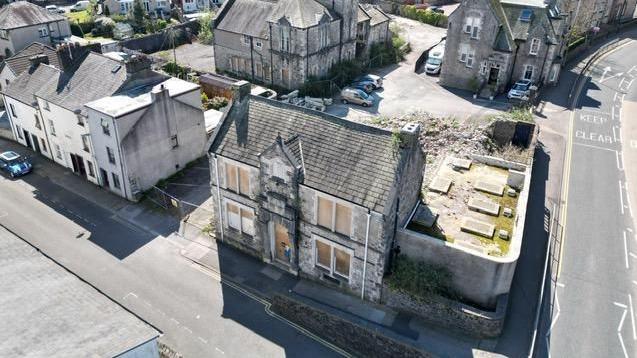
(313, 194)
(492, 44)
(282, 43)
(372, 28)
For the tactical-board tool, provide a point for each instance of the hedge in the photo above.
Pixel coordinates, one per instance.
(424, 16)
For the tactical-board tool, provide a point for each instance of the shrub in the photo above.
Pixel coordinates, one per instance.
(424, 16)
(205, 29)
(420, 279)
(215, 103)
(175, 70)
(576, 43)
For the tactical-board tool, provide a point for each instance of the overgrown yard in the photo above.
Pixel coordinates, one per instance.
(419, 279)
(79, 16)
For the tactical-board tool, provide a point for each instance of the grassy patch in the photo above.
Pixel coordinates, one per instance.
(79, 16)
(502, 222)
(419, 279)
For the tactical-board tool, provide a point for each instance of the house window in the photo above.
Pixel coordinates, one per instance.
(323, 36)
(91, 169)
(554, 72)
(116, 183)
(472, 26)
(285, 39)
(174, 142)
(58, 152)
(43, 145)
(483, 68)
(466, 55)
(246, 40)
(535, 47)
(13, 112)
(46, 105)
(258, 70)
(80, 121)
(111, 155)
(37, 122)
(266, 72)
(470, 59)
(332, 257)
(4, 34)
(237, 179)
(105, 127)
(43, 32)
(85, 143)
(240, 218)
(19, 131)
(334, 216)
(528, 72)
(52, 127)
(259, 44)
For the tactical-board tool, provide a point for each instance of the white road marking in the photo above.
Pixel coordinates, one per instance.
(129, 294)
(630, 208)
(3, 214)
(632, 255)
(219, 350)
(559, 284)
(626, 249)
(187, 329)
(197, 317)
(617, 139)
(620, 305)
(619, 161)
(619, 329)
(594, 147)
(612, 116)
(147, 303)
(621, 198)
(203, 340)
(635, 282)
(630, 83)
(632, 316)
(174, 320)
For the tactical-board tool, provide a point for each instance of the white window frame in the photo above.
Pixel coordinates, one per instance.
(285, 38)
(52, 127)
(472, 26)
(470, 59)
(333, 245)
(58, 151)
(483, 67)
(227, 201)
(245, 39)
(554, 72)
(323, 35)
(258, 44)
(243, 166)
(117, 183)
(334, 201)
(13, 111)
(534, 48)
(18, 130)
(43, 31)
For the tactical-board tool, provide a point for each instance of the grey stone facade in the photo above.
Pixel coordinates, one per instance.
(290, 166)
(491, 45)
(283, 43)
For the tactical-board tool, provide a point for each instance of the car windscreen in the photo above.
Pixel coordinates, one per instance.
(363, 94)
(16, 161)
(520, 87)
(434, 61)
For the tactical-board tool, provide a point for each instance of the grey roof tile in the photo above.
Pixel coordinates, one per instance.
(20, 61)
(22, 13)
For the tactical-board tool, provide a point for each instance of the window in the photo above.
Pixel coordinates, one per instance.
(237, 179)
(4, 34)
(240, 218)
(43, 32)
(285, 39)
(6, 80)
(332, 257)
(80, 121)
(472, 26)
(174, 142)
(43, 145)
(91, 169)
(525, 15)
(528, 72)
(19, 131)
(483, 68)
(52, 126)
(259, 44)
(116, 183)
(85, 143)
(535, 47)
(46, 105)
(466, 55)
(246, 40)
(37, 122)
(111, 155)
(323, 36)
(58, 152)
(334, 215)
(470, 59)
(266, 72)
(258, 70)
(13, 112)
(105, 127)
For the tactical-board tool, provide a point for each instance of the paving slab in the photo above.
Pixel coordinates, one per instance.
(484, 205)
(489, 187)
(440, 185)
(477, 227)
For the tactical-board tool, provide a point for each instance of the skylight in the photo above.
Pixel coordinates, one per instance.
(525, 15)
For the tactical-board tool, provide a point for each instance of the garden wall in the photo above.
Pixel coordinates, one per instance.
(451, 314)
(161, 41)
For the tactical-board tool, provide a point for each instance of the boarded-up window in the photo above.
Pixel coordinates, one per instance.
(259, 70)
(325, 208)
(247, 222)
(231, 177)
(244, 181)
(341, 264)
(323, 255)
(343, 219)
(234, 220)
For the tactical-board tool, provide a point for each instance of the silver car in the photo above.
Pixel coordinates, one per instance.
(356, 96)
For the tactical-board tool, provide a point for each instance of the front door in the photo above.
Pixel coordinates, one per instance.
(36, 143)
(78, 165)
(282, 245)
(493, 75)
(27, 138)
(104, 176)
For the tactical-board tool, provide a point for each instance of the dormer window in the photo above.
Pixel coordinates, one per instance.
(285, 39)
(525, 15)
(323, 36)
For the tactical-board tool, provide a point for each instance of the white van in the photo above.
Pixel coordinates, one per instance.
(434, 60)
(80, 5)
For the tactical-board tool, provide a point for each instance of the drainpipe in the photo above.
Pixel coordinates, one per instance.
(515, 59)
(218, 195)
(369, 216)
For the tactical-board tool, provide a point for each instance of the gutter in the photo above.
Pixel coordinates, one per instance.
(214, 156)
(369, 216)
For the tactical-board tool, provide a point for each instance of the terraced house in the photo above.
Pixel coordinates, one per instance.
(284, 42)
(311, 193)
(494, 43)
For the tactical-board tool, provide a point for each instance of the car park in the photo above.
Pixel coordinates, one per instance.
(356, 96)
(520, 90)
(368, 87)
(377, 81)
(14, 164)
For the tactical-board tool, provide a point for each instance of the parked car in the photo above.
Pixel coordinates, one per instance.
(54, 9)
(14, 164)
(377, 81)
(80, 5)
(263, 92)
(434, 59)
(437, 9)
(366, 86)
(356, 96)
(520, 90)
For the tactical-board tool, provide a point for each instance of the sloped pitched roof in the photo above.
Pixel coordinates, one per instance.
(349, 160)
(520, 29)
(248, 17)
(301, 13)
(22, 13)
(362, 15)
(20, 61)
(377, 15)
(29, 82)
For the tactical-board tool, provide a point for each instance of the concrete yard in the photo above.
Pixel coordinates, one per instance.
(197, 56)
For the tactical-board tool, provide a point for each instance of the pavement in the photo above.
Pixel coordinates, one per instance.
(588, 309)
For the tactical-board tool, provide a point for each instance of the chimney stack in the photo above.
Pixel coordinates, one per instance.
(410, 133)
(241, 91)
(137, 63)
(36, 60)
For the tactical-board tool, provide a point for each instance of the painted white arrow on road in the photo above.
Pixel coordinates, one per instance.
(606, 70)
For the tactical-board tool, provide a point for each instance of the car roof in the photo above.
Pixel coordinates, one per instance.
(524, 82)
(9, 155)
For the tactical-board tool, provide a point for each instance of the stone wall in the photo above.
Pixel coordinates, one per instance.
(160, 41)
(354, 338)
(451, 314)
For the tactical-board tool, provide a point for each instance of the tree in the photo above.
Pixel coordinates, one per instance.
(205, 28)
(91, 10)
(138, 14)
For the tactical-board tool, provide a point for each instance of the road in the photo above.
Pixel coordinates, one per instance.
(595, 291)
(199, 316)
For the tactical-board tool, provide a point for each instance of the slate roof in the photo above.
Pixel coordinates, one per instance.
(20, 61)
(377, 15)
(248, 17)
(29, 82)
(48, 312)
(520, 29)
(345, 159)
(362, 15)
(301, 13)
(22, 13)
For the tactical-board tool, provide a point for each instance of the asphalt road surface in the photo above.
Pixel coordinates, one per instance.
(199, 316)
(593, 314)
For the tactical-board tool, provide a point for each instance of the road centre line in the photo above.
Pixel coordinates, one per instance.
(630, 208)
(621, 198)
(620, 162)
(626, 250)
(594, 147)
(632, 316)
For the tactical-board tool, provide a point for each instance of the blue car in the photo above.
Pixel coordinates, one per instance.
(14, 164)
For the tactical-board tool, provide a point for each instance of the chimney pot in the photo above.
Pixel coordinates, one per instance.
(241, 90)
